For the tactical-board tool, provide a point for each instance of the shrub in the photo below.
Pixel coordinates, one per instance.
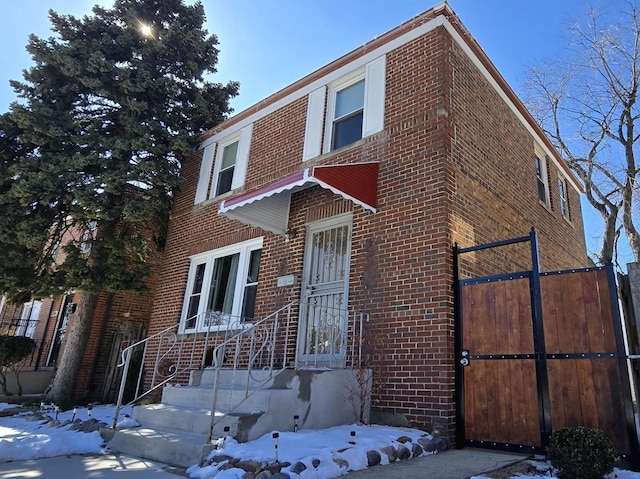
(581, 453)
(13, 349)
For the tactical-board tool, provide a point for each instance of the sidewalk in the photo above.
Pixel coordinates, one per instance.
(102, 466)
(454, 464)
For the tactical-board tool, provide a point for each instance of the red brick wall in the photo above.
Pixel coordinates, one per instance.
(455, 165)
(495, 186)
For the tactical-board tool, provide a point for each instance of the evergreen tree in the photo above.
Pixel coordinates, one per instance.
(115, 100)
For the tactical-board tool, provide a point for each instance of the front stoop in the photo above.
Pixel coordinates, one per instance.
(176, 430)
(174, 448)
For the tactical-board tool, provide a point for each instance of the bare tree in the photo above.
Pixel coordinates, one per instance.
(587, 103)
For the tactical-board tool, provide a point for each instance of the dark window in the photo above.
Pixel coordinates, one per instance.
(225, 176)
(251, 286)
(542, 186)
(349, 114)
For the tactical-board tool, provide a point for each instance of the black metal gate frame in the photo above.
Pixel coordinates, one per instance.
(540, 355)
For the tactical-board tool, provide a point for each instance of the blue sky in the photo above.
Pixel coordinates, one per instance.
(268, 44)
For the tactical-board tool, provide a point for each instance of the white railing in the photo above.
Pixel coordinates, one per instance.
(266, 346)
(176, 353)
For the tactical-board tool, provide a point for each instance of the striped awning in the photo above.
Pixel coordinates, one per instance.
(268, 206)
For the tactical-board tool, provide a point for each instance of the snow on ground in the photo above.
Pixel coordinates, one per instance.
(305, 446)
(22, 438)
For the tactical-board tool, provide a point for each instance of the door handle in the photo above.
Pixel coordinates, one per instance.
(465, 357)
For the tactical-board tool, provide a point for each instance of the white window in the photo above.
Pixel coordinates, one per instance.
(348, 115)
(354, 110)
(222, 286)
(228, 156)
(87, 237)
(229, 169)
(541, 179)
(29, 318)
(563, 197)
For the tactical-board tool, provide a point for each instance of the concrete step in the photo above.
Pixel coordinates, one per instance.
(174, 448)
(238, 377)
(229, 397)
(192, 420)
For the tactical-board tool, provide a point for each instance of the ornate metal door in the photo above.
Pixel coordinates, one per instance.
(322, 333)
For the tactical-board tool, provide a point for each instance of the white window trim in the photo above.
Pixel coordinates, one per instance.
(347, 81)
(545, 177)
(244, 248)
(563, 201)
(212, 161)
(318, 138)
(231, 139)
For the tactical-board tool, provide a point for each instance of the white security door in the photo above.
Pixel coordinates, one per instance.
(322, 333)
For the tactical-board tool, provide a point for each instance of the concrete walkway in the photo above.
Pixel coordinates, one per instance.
(102, 466)
(455, 464)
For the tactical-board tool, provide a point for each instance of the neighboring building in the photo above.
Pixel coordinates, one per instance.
(121, 318)
(349, 188)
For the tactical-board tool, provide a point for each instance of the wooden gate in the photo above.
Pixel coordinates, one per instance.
(538, 352)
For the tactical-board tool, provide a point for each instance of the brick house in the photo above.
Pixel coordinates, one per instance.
(349, 189)
(120, 319)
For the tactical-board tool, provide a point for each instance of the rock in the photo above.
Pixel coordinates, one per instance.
(248, 475)
(248, 466)
(264, 475)
(391, 453)
(315, 463)
(403, 453)
(273, 468)
(373, 458)
(403, 439)
(92, 425)
(427, 444)
(280, 475)
(298, 467)
(341, 463)
(226, 466)
(221, 458)
(440, 444)
(416, 450)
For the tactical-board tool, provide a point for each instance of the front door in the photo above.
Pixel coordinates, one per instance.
(322, 334)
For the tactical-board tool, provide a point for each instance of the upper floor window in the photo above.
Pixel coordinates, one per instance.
(88, 236)
(222, 287)
(347, 109)
(227, 165)
(348, 115)
(563, 197)
(541, 178)
(224, 164)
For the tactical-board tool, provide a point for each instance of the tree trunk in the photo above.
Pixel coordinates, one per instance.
(78, 331)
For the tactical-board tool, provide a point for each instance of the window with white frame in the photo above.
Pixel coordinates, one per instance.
(541, 179)
(222, 287)
(29, 318)
(224, 164)
(228, 156)
(563, 197)
(354, 109)
(348, 115)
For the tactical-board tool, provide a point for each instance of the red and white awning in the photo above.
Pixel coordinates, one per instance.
(268, 206)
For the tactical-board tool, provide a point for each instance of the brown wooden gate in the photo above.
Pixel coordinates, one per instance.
(538, 352)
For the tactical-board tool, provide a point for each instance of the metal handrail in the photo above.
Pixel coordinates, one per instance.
(267, 345)
(260, 342)
(171, 340)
